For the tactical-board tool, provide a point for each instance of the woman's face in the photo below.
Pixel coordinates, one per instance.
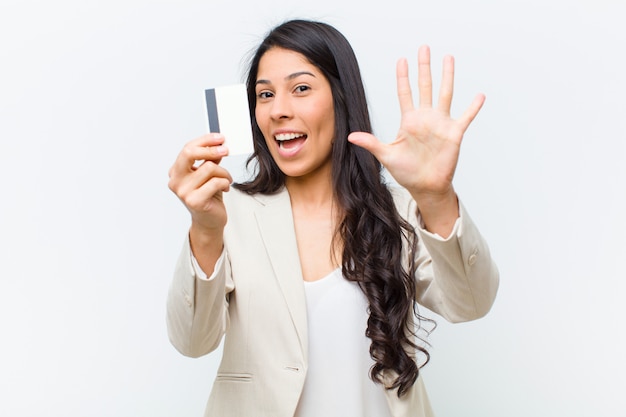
(294, 110)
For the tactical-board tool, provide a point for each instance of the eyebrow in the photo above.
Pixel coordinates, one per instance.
(287, 78)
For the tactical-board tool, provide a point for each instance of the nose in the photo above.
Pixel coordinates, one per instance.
(281, 107)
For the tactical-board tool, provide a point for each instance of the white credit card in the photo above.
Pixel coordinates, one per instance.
(228, 113)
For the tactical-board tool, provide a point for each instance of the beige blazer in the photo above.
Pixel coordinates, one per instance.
(256, 299)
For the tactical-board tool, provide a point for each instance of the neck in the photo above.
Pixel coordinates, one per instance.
(311, 191)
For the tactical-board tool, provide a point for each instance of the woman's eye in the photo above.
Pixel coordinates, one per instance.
(302, 88)
(264, 95)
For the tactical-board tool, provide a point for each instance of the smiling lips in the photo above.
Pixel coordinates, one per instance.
(290, 143)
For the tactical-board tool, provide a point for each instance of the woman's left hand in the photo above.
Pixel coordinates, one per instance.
(424, 156)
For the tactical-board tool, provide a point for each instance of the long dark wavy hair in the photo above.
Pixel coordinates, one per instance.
(371, 230)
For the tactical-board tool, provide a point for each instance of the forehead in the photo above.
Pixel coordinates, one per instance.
(279, 63)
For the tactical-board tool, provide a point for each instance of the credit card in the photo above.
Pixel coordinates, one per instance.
(228, 113)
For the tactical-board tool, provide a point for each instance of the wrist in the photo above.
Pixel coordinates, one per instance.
(435, 200)
(439, 212)
(205, 238)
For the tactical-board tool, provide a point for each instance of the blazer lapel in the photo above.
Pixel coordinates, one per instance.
(275, 222)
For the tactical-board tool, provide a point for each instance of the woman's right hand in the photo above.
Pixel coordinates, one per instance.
(198, 181)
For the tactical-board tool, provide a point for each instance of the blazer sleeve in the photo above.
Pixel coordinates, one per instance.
(456, 277)
(197, 309)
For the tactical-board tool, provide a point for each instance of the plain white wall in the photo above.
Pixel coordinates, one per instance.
(97, 98)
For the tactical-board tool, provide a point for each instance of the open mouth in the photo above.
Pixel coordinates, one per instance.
(289, 141)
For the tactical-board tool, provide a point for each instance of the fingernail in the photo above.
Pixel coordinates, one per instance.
(222, 150)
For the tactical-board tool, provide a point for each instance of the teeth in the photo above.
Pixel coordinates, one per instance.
(287, 136)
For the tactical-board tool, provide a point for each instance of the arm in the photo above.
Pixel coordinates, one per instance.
(197, 314)
(197, 309)
(456, 276)
(198, 181)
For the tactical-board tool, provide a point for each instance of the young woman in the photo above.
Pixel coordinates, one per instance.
(313, 268)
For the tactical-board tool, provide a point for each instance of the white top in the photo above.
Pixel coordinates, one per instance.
(337, 381)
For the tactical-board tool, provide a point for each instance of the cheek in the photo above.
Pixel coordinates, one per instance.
(324, 115)
(261, 121)
(329, 121)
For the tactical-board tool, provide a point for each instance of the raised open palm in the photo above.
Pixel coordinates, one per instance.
(424, 155)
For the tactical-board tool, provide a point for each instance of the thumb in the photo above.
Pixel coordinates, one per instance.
(368, 142)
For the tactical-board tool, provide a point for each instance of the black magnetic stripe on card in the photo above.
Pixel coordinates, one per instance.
(211, 108)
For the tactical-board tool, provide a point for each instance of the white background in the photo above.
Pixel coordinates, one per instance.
(97, 98)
